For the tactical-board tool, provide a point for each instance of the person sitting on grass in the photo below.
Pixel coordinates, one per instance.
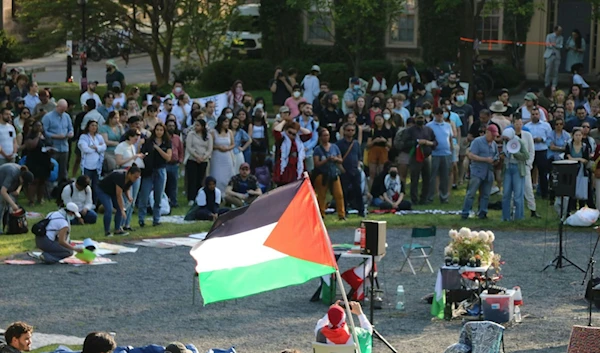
(332, 328)
(18, 338)
(392, 196)
(207, 204)
(80, 193)
(56, 244)
(111, 191)
(243, 188)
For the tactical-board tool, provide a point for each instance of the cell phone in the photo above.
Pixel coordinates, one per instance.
(145, 154)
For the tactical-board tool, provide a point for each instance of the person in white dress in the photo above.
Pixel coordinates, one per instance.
(222, 162)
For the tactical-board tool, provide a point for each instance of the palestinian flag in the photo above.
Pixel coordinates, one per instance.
(356, 276)
(277, 241)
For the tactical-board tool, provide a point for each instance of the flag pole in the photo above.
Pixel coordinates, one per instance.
(337, 271)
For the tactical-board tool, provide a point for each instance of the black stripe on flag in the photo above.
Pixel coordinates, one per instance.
(266, 209)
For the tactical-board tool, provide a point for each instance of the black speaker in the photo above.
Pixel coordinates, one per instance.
(564, 177)
(375, 232)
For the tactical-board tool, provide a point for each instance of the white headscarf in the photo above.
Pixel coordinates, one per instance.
(286, 147)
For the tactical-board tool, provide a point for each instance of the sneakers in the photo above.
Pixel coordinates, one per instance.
(128, 229)
(108, 234)
(191, 203)
(535, 215)
(495, 189)
(121, 232)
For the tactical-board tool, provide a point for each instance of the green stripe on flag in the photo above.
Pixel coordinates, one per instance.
(243, 281)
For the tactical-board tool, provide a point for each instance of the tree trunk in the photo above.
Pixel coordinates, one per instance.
(466, 48)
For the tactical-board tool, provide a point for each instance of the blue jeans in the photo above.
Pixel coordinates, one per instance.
(135, 189)
(94, 179)
(513, 183)
(110, 202)
(89, 218)
(155, 182)
(171, 187)
(475, 184)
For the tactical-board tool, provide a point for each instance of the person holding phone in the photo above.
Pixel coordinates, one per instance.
(332, 328)
(111, 191)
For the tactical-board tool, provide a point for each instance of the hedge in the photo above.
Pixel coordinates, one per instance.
(505, 76)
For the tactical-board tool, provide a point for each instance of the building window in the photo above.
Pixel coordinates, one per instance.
(320, 27)
(403, 28)
(489, 27)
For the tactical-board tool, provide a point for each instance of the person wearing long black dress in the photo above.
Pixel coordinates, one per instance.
(38, 162)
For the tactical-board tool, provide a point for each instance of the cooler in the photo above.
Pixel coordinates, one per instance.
(498, 308)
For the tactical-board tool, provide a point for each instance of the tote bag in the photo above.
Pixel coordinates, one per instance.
(581, 190)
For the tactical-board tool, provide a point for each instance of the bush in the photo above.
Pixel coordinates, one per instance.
(369, 68)
(505, 76)
(188, 72)
(218, 76)
(337, 74)
(10, 51)
(254, 73)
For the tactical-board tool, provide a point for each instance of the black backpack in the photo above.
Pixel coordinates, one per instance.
(15, 224)
(39, 229)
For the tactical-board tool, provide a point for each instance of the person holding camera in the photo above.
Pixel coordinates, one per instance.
(332, 328)
(281, 88)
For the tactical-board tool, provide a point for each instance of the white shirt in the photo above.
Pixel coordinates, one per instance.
(31, 101)
(58, 221)
(87, 95)
(578, 80)
(7, 138)
(181, 114)
(311, 88)
(83, 198)
(92, 115)
(362, 319)
(91, 159)
(201, 197)
(526, 115)
(127, 151)
(119, 101)
(162, 116)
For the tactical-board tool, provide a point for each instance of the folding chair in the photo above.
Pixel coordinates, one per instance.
(409, 250)
(333, 348)
(584, 339)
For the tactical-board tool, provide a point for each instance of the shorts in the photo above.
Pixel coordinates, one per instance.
(464, 144)
(378, 155)
(403, 158)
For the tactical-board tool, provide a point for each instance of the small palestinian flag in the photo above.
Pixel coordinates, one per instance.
(277, 241)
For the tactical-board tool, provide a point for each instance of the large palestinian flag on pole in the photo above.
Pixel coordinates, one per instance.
(277, 241)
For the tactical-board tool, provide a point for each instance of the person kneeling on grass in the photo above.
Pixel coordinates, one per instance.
(332, 328)
(111, 190)
(56, 243)
(392, 196)
(207, 203)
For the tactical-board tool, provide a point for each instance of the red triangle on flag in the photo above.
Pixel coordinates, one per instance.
(300, 232)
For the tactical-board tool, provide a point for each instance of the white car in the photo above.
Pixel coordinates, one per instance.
(244, 34)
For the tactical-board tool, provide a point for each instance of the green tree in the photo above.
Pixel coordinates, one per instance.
(281, 27)
(203, 34)
(151, 23)
(357, 26)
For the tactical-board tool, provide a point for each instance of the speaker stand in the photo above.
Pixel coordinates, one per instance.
(590, 270)
(372, 308)
(558, 260)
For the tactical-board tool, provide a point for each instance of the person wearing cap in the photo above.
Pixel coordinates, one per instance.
(58, 127)
(351, 95)
(554, 44)
(530, 102)
(514, 170)
(403, 86)
(99, 342)
(332, 328)
(19, 90)
(44, 106)
(113, 74)
(483, 155)
(293, 101)
(540, 131)
(90, 93)
(56, 243)
(243, 188)
(8, 137)
(32, 98)
(310, 84)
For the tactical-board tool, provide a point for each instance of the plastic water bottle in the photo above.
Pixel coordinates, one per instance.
(518, 314)
(400, 300)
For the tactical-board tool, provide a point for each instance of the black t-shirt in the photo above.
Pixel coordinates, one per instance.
(384, 132)
(281, 92)
(446, 91)
(113, 179)
(464, 112)
(154, 160)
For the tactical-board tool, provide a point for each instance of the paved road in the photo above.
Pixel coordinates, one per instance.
(147, 298)
(54, 68)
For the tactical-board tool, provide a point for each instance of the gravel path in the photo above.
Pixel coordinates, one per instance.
(147, 298)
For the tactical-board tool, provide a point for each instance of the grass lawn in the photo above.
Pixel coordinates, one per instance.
(13, 244)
